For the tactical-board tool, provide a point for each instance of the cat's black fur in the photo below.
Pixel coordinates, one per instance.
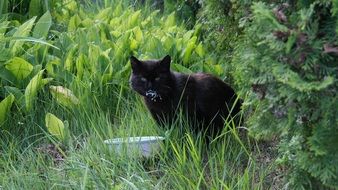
(205, 98)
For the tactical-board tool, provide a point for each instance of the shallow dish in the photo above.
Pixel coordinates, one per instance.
(145, 146)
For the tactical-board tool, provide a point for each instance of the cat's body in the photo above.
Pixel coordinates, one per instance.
(205, 98)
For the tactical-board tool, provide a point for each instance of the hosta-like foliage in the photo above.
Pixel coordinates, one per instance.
(82, 50)
(287, 61)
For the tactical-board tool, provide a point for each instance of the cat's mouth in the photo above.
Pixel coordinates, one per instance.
(153, 96)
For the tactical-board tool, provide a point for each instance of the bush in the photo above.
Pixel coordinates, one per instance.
(286, 63)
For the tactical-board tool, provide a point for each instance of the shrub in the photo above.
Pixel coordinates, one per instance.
(286, 63)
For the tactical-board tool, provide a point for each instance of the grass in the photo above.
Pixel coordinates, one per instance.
(184, 163)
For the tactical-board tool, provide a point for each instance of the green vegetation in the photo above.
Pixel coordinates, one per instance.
(282, 57)
(64, 70)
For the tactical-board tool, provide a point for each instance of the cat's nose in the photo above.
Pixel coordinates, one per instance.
(149, 85)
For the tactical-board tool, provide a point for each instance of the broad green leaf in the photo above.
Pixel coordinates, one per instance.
(19, 96)
(69, 63)
(188, 50)
(170, 21)
(116, 34)
(74, 22)
(5, 106)
(27, 39)
(217, 69)
(71, 6)
(64, 96)
(50, 67)
(200, 50)
(55, 126)
(22, 31)
(87, 22)
(168, 42)
(80, 64)
(35, 8)
(115, 22)
(104, 15)
(19, 67)
(34, 85)
(106, 78)
(138, 34)
(133, 44)
(133, 19)
(197, 29)
(179, 44)
(118, 9)
(187, 36)
(42, 26)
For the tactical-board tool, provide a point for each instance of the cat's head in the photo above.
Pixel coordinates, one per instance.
(151, 78)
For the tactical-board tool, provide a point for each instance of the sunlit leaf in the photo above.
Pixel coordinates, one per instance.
(133, 44)
(64, 96)
(188, 35)
(168, 42)
(27, 39)
(116, 34)
(42, 26)
(34, 85)
(170, 21)
(55, 126)
(104, 15)
(74, 22)
(134, 18)
(50, 66)
(71, 5)
(69, 63)
(19, 67)
(138, 34)
(22, 31)
(87, 22)
(188, 50)
(80, 64)
(5, 106)
(200, 50)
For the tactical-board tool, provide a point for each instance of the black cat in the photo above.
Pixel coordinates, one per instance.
(205, 98)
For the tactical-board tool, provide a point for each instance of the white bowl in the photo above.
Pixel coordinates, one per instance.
(136, 146)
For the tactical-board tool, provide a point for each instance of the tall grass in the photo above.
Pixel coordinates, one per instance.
(183, 163)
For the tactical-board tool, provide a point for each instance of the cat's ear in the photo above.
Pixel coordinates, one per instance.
(165, 63)
(135, 64)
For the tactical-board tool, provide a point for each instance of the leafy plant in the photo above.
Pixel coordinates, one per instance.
(55, 126)
(5, 106)
(286, 63)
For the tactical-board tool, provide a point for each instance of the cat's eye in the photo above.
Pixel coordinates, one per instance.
(143, 79)
(157, 78)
